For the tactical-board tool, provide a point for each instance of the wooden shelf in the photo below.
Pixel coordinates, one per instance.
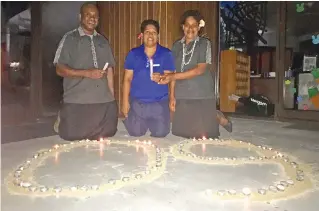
(234, 78)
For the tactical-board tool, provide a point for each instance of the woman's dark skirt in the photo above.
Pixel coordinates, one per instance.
(88, 121)
(195, 119)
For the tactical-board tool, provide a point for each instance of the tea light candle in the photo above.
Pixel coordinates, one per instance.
(246, 191)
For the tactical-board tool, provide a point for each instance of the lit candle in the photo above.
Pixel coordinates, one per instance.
(246, 191)
(101, 149)
(56, 158)
(203, 149)
(144, 150)
(151, 68)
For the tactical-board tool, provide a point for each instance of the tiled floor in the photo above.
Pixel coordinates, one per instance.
(184, 185)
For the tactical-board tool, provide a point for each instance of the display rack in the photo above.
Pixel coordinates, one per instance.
(234, 78)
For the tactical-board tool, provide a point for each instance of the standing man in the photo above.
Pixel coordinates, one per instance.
(85, 60)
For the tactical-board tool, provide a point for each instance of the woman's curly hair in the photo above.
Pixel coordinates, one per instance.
(191, 13)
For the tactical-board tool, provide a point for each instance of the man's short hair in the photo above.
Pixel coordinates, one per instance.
(85, 5)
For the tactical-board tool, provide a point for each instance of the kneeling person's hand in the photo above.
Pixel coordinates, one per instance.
(165, 79)
(172, 103)
(95, 73)
(156, 77)
(125, 108)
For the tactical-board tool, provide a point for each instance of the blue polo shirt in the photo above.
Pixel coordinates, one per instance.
(142, 87)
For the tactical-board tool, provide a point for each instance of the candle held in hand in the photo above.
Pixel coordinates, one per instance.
(105, 66)
(151, 68)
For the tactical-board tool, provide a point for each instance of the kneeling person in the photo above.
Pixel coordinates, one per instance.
(84, 59)
(145, 102)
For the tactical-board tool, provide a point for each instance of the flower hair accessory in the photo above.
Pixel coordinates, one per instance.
(139, 36)
(201, 23)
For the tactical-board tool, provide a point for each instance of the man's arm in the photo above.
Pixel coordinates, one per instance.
(110, 69)
(110, 79)
(65, 71)
(62, 60)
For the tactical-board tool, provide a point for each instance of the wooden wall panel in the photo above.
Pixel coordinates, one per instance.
(120, 24)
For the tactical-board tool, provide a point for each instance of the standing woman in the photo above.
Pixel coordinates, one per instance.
(191, 87)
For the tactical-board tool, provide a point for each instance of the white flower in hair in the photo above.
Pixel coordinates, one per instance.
(201, 23)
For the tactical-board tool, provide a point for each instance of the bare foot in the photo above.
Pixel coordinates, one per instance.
(223, 121)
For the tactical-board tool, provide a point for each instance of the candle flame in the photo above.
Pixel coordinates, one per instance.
(144, 150)
(101, 149)
(56, 158)
(203, 148)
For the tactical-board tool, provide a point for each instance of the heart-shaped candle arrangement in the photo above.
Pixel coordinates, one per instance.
(297, 182)
(22, 180)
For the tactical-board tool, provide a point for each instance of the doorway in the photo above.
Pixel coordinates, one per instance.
(298, 73)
